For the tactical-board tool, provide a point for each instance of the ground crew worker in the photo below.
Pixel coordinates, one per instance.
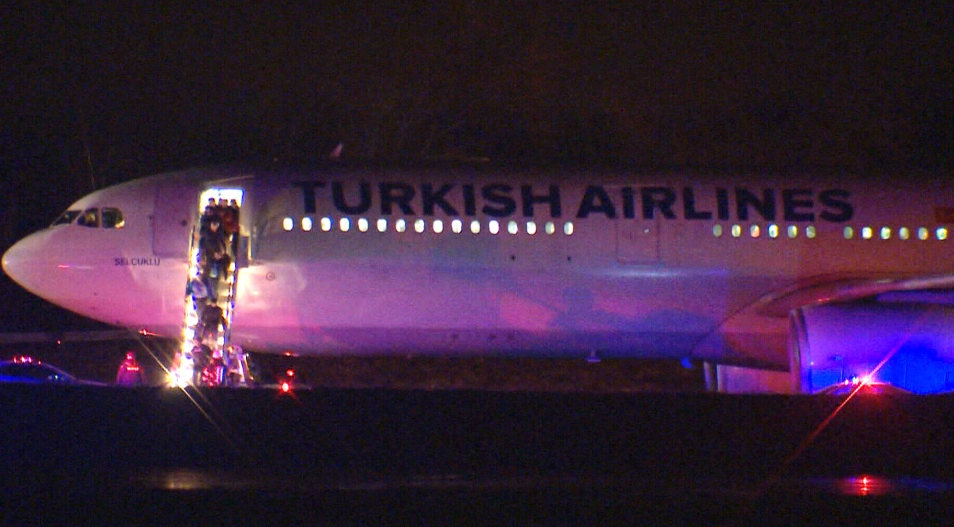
(130, 374)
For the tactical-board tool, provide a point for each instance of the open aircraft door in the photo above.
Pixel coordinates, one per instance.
(172, 220)
(228, 194)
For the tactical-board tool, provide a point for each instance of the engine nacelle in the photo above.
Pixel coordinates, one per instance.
(907, 345)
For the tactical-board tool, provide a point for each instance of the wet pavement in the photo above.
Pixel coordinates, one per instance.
(80, 455)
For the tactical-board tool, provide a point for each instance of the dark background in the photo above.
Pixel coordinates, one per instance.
(96, 92)
(99, 92)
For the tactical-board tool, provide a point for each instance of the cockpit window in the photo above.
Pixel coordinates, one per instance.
(89, 218)
(112, 218)
(108, 218)
(67, 217)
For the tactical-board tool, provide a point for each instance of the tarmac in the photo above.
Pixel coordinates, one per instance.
(158, 456)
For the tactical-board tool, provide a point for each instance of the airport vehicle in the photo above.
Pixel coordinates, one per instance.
(28, 370)
(779, 282)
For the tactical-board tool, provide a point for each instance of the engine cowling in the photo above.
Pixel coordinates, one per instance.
(907, 345)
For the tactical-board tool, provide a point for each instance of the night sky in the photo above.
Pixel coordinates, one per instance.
(97, 93)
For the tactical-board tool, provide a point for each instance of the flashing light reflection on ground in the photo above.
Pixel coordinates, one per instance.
(864, 486)
(286, 384)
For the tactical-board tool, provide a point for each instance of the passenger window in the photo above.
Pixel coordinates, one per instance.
(113, 218)
(89, 218)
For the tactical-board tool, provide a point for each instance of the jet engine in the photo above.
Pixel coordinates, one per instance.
(907, 345)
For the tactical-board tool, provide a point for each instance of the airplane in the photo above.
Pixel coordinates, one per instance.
(783, 283)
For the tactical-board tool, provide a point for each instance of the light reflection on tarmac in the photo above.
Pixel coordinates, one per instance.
(384, 457)
(193, 479)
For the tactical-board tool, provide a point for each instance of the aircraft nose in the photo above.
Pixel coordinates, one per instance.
(20, 263)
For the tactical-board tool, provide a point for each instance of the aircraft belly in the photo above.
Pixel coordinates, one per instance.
(356, 306)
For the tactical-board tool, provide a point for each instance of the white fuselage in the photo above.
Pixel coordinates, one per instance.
(386, 261)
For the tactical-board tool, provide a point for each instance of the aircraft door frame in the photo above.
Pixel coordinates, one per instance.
(172, 219)
(238, 193)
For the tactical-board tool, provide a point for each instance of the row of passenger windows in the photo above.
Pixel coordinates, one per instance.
(849, 232)
(419, 225)
(457, 226)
